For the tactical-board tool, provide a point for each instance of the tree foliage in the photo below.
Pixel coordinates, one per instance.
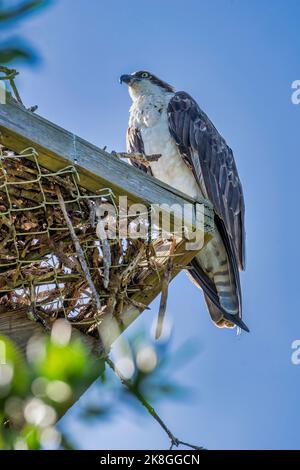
(36, 390)
(15, 48)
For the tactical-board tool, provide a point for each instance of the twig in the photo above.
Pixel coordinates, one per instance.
(174, 441)
(164, 291)
(15, 90)
(78, 250)
(92, 217)
(128, 272)
(138, 157)
(104, 242)
(106, 260)
(32, 313)
(10, 75)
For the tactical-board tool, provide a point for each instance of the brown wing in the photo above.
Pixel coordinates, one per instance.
(213, 165)
(135, 143)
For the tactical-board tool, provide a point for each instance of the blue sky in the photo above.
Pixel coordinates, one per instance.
(238, 60)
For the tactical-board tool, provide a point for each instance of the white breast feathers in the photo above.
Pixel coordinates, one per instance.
(148, 113)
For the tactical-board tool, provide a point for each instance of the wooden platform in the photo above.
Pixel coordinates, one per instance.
(97, 169)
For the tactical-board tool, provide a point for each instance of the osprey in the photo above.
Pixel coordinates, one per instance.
(196, 160)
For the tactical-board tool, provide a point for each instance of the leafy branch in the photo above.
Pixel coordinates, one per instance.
(8, 16)
(18, 11)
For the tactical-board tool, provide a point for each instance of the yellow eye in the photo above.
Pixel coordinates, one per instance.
(145, 75)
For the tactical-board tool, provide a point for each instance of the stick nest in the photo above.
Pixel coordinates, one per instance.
(58, 271)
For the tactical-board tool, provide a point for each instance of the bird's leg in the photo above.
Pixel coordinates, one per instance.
(138, 157)
(164, 289)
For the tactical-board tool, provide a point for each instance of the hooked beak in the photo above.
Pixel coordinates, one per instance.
(129, 79)
(126, 79)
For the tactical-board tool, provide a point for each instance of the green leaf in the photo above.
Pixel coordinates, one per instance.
(63, 362)
(12, 359)
(15, 13)
(31, 436)
(10, 54)
(95, 411)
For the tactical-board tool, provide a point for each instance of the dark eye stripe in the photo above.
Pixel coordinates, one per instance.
(154, 79)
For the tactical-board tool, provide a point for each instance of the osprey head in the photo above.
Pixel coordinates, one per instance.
(143, 83)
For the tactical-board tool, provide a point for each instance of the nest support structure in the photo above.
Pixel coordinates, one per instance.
(52, 262)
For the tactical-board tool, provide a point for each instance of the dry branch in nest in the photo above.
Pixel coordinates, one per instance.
(50, 255)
